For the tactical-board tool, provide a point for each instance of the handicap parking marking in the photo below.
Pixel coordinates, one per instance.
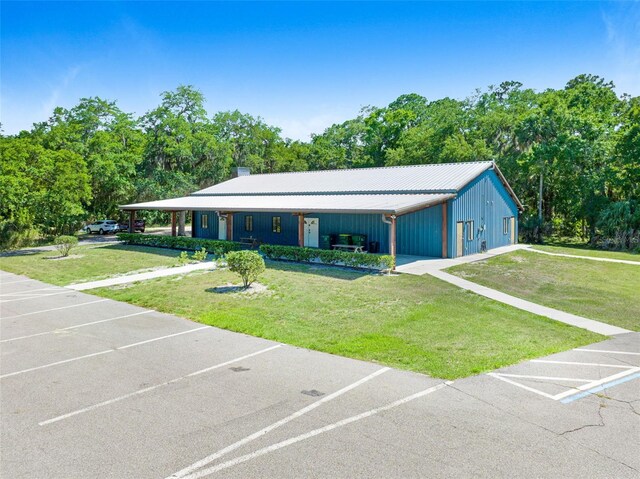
(590, 386)
(600, 388)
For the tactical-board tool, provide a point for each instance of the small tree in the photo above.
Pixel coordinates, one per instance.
(248, 264)
(64, 244)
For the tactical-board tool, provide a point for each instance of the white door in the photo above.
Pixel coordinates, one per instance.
(311, 232)
(222, 227)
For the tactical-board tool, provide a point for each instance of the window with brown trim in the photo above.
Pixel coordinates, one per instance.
(248, 223)
(505, 225)
(204, 221)
(470, 232)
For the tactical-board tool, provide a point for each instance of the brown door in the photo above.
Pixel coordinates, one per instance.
(512, 227)
(459, 238)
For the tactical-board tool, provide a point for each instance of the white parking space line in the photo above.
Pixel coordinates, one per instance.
(30, 291)
(599, 388)
(578, 392)
(151, 388)
(547, 361)
(315, 432)
(606, 351)
(35, 296)
(526, 388)
(14, 282)
(76, 326)
(55, 309)
(209, 459)
(550, 378)
(15, 373)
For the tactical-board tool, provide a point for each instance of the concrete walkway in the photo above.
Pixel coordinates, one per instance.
(592, 258)
(419, 265)
(568, 318)
(132, 278)
(434, 266)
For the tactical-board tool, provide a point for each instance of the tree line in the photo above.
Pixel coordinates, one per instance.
(572, 155)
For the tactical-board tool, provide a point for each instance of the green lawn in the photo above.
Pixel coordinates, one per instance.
(94, 263)
(416, 323)
(585, 251)
(607, 292)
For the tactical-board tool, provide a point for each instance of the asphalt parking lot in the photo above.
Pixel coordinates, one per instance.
(96, 388)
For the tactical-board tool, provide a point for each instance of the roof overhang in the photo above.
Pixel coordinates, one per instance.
(507, 187)
(346, 204)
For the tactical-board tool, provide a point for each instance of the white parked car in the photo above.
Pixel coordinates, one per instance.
(102, 227)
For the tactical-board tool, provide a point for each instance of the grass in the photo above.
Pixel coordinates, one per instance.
(582, 250)
(95, 262)
(606, 292)
(416, 323)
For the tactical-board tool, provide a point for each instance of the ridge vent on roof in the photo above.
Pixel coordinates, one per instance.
(421, 165)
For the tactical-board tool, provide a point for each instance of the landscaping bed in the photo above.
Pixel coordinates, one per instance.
(606, 292)
(378, 262)
(217, 247)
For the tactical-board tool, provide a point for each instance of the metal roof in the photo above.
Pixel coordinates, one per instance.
(433, 178)
(359, 203)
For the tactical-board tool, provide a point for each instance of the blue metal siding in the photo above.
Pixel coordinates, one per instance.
(212, 231)
(370, 225)
(485, 201)
(262, 228)
(420, 233)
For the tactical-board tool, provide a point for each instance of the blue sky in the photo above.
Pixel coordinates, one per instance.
(301, 66)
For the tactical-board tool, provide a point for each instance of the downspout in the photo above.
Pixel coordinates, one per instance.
(391, 221)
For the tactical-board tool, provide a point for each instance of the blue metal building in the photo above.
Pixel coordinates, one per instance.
(438, 210)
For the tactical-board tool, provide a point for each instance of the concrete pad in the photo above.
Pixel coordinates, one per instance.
(420, 265)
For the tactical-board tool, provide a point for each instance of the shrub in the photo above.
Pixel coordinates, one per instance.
(248, 264)
(14, 236)
(200, 255)
(184, 258)
(620, 225)
(64, 244)
(346, 258)
(217, 247)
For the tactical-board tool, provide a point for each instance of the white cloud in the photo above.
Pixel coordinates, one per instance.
(623, 40)
(54, 96)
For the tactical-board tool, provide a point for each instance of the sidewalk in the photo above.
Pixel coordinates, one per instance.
(592, 258)
(557, 315)
(132, 278)
(419, 265)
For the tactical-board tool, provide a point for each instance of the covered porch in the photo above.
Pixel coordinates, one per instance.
(317, 221)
